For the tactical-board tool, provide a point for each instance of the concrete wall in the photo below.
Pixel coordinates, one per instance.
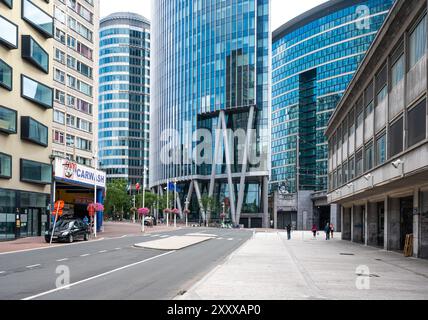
(306, 210)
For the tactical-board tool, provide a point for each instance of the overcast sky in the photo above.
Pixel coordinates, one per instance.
(282, 10)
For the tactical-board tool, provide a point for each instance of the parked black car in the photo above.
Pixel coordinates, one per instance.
(68, 230)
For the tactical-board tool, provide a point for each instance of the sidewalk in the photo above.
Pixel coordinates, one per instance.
(111, 230)
(268, 267)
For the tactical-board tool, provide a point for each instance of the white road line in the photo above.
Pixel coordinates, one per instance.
(33, 266)
(117, 249)
(96, 277)
(165, 236)
(61, 260)
(1, 272)
(230, 239)
(102, 251)
(85, 255)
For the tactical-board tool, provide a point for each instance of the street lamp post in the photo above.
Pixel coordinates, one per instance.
(144, 199)
(224, 211)
(167, 203)
(187, 211)
(175, 202)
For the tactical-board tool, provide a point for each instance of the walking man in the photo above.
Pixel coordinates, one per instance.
(327, 231)
(289, 232)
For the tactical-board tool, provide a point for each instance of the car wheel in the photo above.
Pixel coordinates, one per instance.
(70, 239)
(47, 240)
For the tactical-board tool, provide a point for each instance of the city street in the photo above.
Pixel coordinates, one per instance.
(114, 268)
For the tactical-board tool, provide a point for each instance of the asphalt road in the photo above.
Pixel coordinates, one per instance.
(114, 268)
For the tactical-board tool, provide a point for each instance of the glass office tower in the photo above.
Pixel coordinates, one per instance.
(314, 57)
(211, 74)
(124, 96)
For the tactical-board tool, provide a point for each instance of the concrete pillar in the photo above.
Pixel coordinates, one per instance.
(394, 225)
(347, 224)
(334, 216)
(416, 223)
(275, 209)
(266, 218)
(358, 221)
(342, 213)
(386, 224)
(372, 224)
(352, 223)
(365, 221)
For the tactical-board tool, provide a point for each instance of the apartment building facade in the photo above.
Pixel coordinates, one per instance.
(75, 74)
(26, 102)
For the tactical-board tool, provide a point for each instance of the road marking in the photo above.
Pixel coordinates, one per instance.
(102, 251)
(85, 255)
(155, 235)
(1, 272)
(165, 236)
(230, 239)
(61, 260)
(220, 238)
(33, 266)
(98, 276)
(117, 249)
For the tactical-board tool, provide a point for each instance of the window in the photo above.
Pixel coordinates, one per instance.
(34, 131)
(351, 169)
(397, 72)
(59, 96)
(59, 117)
(37, 18)
(36, 172)
(5, 75)
(418, 42)
(8, 33)
(8, 120)
(381, 150)
(58, 137)
(369, 157)
(395, 138)
(9, 3)
(359, 164)
(416, 123)
(5, 166)
(34, 53)
(36, 92)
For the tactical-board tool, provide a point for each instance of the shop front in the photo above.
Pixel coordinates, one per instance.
(78, 186)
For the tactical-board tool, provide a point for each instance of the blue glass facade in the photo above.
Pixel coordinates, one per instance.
(314, 57)
(210, 58)
(124, 96)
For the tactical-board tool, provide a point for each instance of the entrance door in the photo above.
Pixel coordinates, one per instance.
(406, 219)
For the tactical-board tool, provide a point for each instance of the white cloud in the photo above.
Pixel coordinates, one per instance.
(282, 10)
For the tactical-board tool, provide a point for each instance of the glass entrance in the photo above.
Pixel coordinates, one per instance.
(406, 219)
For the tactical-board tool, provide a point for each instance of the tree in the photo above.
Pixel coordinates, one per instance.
(209, 205)
(117, 199)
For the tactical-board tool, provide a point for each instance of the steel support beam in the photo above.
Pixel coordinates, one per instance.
(198, 194)
(229, 169)
(244, 165)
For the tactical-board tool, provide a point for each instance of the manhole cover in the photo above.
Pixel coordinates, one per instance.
(347, 254)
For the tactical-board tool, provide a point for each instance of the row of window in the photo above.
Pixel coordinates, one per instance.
(73, 102)
(77, 8)
(31, 171)
(73, 63)
(72, 121)
(74, 44)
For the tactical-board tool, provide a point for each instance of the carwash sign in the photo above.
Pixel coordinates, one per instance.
(72, 172)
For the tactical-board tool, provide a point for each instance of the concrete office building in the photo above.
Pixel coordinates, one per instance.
(314, 57)
(26, 100)
(211, 74)
(124, 96)
(378, 146)
(75, 73)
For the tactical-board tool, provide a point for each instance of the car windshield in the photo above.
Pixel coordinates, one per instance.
(64, 225)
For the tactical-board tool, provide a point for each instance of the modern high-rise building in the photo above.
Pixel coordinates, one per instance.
(210, 111)
(314, 57)
(124, 97)
(75, 73)
(26, 100)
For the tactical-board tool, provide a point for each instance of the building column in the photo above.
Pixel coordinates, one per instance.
(265, 201)
(393, 213)
(386, 224)
(275, 209)
(352, 223)
(416, 223)
(342, 213)
(372, 224)
(366, 224)
(357, 220)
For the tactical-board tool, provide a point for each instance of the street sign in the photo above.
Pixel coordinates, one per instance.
(137, 187)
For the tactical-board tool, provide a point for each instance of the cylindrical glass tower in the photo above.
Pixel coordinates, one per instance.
(211, 73)
(124, 96)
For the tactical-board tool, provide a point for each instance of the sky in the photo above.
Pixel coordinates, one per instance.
(282, 10)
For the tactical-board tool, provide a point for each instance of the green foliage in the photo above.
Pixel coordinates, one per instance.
(117, 200)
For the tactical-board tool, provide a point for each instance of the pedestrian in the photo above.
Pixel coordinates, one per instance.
(314, 231)
(327, 231)
(332, 230)
(86, 220)
(289, 231)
